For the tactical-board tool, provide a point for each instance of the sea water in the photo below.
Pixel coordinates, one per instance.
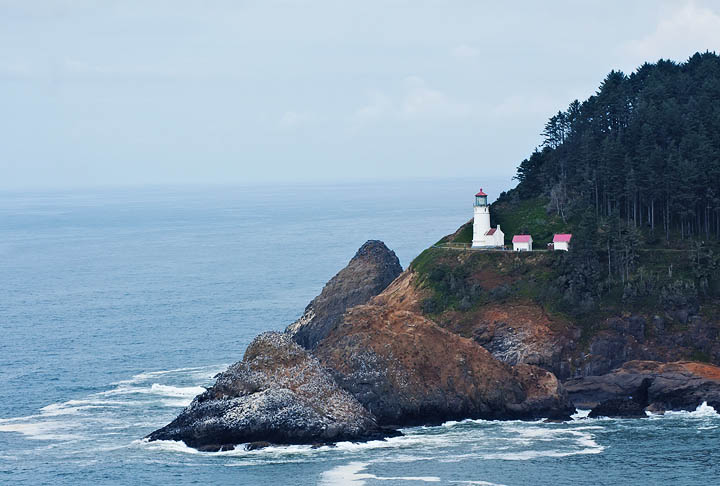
(117, 306)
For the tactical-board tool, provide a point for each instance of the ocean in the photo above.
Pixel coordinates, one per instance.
(118, 305)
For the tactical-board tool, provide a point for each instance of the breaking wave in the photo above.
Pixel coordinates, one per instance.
(108, 413)
(703, 411)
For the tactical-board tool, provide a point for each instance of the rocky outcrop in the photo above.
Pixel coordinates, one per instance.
(369, 272)
(278, 394)
(407, 370)
(631, 406)
(679, 385)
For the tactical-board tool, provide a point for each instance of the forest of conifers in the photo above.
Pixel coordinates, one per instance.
(644, 150)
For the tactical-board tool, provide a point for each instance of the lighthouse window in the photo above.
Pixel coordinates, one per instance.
(481, 200)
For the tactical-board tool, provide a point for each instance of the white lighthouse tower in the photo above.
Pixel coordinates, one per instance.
(483, 234)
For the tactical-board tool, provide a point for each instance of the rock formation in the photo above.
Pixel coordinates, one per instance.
(372, 268)
(407, 370)
(679, 385)
(374, 363)
(278, 394)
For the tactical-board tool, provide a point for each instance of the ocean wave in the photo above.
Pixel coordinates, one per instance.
(197, 371)
(107, 413)
(156, 389)
(703, 411)
(580, 414)
(455, 423)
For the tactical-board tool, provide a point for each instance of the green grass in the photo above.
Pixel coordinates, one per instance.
(529, 217)
(465, 235)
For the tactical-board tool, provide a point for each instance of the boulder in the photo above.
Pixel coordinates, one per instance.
(277, 394)
(369, 272)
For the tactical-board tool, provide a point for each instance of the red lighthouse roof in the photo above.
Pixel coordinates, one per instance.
(481, 193)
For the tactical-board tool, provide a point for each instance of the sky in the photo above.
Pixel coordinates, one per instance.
(138, 92)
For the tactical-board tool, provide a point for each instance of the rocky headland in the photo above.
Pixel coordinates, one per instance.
(456, 335)
(370, 362)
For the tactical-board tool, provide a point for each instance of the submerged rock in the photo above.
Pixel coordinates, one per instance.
(681, 385)
(277, 394)
(369, 272)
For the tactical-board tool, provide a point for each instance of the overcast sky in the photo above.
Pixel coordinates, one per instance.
(166, 92)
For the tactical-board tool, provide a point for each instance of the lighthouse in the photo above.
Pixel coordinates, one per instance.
(485, 236)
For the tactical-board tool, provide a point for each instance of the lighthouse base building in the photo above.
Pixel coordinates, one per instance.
(483, 235)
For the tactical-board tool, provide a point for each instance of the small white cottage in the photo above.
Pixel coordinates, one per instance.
(522, 243)
(561, 241)
(483, 235)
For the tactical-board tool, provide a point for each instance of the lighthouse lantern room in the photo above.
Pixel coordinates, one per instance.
(483, 235)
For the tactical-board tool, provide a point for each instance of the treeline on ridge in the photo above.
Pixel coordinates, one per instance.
(644, 149)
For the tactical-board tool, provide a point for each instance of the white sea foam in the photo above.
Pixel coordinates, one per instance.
(580, 414)
(197, 371)
(345, 475)
(45, 430)
(351, 475)
(156, 389)
(703, 411)
(589, 446)
(166, 446)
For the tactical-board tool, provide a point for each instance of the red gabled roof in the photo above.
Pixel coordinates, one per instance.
(521, 239)
(562, 238)
(490, 232)
(481, 193)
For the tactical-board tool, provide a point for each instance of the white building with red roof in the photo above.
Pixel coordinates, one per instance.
(561, 241)
(483, 235)
(522, 243)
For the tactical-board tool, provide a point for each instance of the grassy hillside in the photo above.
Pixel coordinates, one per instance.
(529, 216)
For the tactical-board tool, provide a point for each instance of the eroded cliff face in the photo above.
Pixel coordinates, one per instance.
(406, 369)
(369, 272)
(517, 333)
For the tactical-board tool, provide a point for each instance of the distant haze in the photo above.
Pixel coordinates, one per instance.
(129, 92)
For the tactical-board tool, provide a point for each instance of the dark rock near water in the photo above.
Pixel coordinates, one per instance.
(253, 446)
(277, 394)
(632, 406)
(369, 272)
(679, 385)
